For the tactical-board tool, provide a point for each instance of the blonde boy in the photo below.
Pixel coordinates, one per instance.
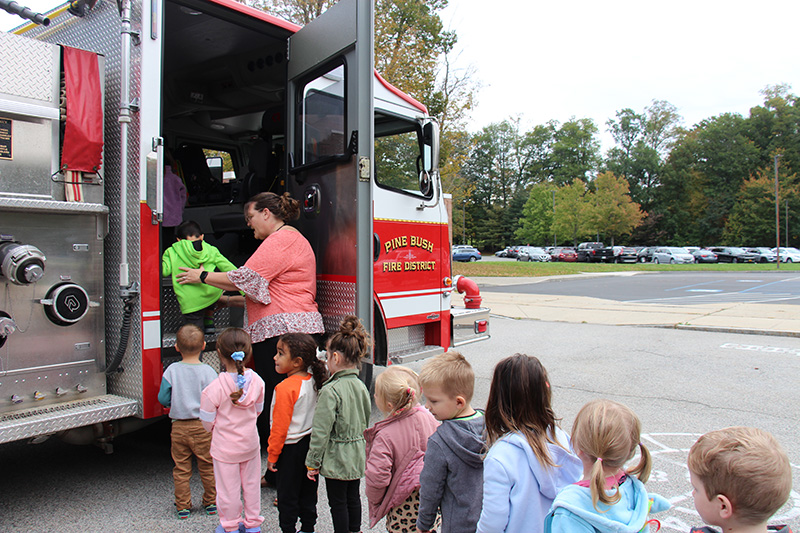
(452, 478)
(741, 476)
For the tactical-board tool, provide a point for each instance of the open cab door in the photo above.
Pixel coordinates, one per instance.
(329, 152)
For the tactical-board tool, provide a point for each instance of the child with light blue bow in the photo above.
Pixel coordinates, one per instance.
(229, 408)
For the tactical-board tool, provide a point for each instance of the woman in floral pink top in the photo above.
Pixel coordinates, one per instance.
(279, 281)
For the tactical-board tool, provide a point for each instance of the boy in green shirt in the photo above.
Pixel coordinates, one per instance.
(197, 300)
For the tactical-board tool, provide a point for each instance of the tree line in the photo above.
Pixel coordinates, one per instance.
(661, 183)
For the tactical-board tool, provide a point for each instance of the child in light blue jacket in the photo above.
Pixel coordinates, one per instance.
(609, 499)
(530, 458)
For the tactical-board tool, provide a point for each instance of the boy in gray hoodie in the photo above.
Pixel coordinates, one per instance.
(452, 478)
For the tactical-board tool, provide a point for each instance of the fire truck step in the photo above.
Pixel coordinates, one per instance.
(406, 356)
(50, 419)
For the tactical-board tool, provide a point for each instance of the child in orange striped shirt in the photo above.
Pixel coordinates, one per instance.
(291, 415)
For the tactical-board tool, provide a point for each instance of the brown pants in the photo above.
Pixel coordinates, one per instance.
(190, 438)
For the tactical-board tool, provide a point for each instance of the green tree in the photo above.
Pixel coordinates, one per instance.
(575, 151)
(300, 12)
(569, 221)
(537, 216)
(752, 219)
(612, 213)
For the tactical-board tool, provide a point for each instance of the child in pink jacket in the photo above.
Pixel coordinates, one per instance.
(395, 450)
(229, 407)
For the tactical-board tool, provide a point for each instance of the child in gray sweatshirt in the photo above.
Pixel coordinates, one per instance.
(452, 478)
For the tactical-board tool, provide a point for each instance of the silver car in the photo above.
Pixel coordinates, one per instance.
(532, 253)
(672, 255)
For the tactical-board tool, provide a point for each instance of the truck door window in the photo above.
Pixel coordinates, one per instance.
(322, 116)
(398, 157)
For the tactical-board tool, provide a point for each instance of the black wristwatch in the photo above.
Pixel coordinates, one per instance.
(203, 276)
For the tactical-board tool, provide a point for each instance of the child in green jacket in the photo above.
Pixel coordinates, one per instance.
(197, 301)
(338, 449)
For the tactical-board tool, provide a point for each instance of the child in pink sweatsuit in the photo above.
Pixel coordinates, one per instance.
(229, 407)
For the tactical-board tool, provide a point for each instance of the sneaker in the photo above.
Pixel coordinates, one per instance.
(183, 514)
(210, 509)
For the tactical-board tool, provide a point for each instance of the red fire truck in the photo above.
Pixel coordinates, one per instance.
(244, 102)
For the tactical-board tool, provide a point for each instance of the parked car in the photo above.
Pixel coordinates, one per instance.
(733, 254)
(512, 252)
(564, 254)
(625, 254)
(704, 256)
(645, 255)
(789, 255)
(532, 253)
(594, 252)
(765, 255)
(672, 255)
(466, 253)
(503, 252)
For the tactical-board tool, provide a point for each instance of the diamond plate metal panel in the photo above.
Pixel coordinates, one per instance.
(336, 300)
(33, 422)
(51, 206)
(99, 32)
(405, 339)
(28, 68)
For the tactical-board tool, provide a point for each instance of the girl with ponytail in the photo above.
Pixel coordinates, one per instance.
(395, 450)
(229, 407)
(291, 414)
(337, 449)
(606, 435)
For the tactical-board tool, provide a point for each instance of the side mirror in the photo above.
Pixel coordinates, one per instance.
(430, 139)
(215, 166)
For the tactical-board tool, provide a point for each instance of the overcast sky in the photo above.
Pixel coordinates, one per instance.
(590, 58)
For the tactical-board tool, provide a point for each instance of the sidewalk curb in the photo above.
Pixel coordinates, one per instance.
(740, 331)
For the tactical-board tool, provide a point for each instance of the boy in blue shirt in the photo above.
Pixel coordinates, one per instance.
(181, 386)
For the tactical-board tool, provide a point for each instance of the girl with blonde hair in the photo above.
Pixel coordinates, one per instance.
(606, 436)
(395, 450)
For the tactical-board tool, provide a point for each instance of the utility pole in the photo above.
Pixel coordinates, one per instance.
(554, 218)
(786, 223)
(464, 224)
(777, 218)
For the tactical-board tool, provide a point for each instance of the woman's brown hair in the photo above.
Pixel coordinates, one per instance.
(284, 206)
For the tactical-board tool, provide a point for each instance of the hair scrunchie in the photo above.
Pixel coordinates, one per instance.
(237, 356)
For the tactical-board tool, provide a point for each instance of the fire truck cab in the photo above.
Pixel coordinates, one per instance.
(238, 102)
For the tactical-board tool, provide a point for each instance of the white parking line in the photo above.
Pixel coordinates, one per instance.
(757, 348)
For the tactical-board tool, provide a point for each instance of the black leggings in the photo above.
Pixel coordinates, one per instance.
(264, 364)
(297, 495)
(345, 501)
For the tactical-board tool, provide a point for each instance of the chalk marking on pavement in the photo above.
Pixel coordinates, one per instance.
(704, 290)
(693, 285)
(758, 348)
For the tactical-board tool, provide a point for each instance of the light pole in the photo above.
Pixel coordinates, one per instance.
(777, 219)
(464, 223)
(786, 223)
